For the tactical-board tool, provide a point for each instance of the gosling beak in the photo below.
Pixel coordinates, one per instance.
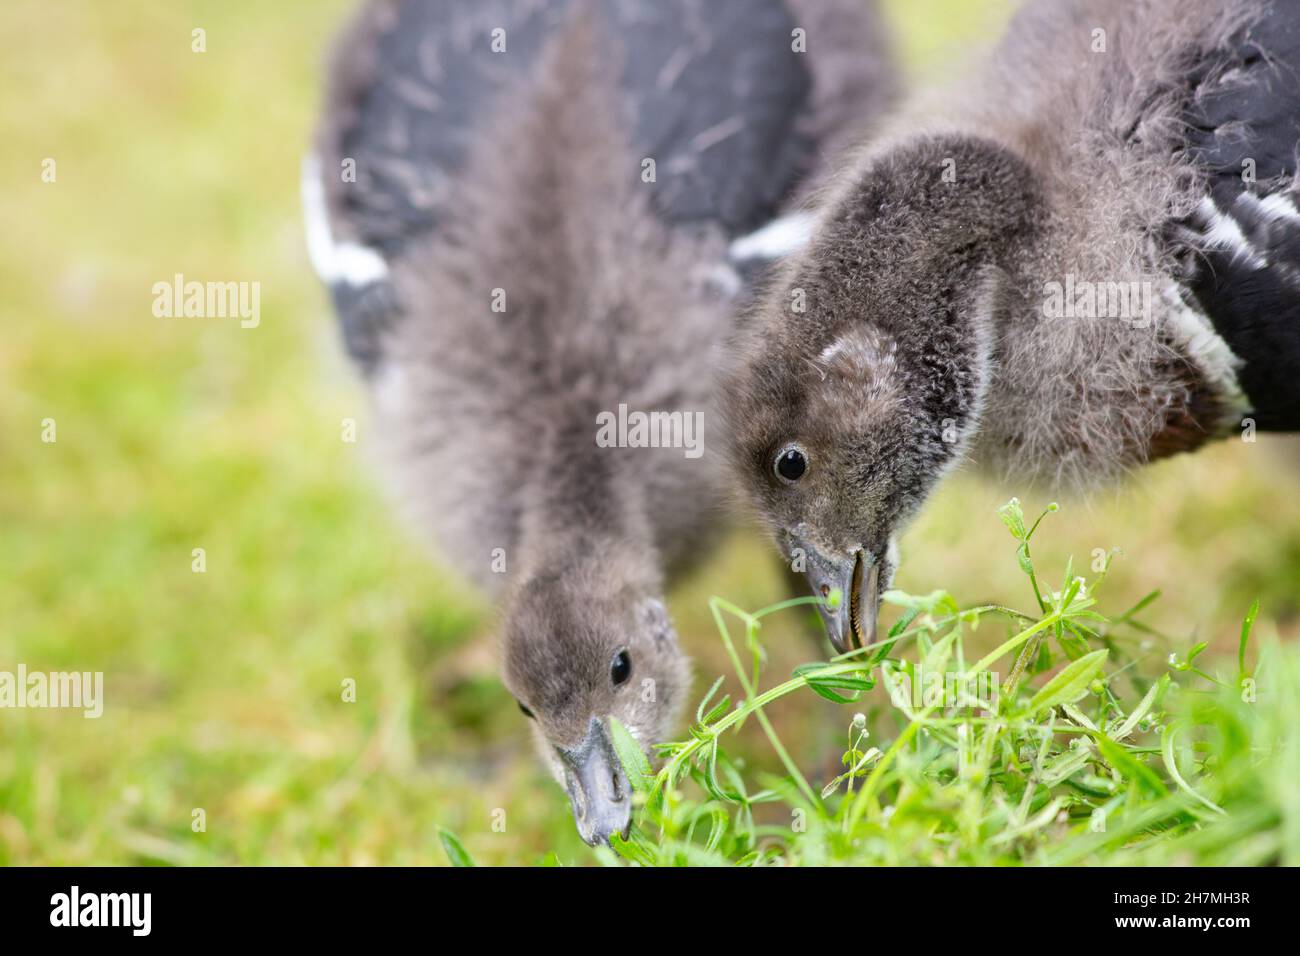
(597, 786)
(857, 577)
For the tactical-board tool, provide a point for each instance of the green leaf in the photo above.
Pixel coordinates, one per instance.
(1194, 653)
(1130, 768)
(1073, 640)
(1246, 625)
(1070, 641)
(904, 621)
(709, 779)
(1069, 585)
(826, 685)
(1171, 764)
(631, 756)
(718, 710)
(1140, 605)
(718, 825)
(704, 702)
(456, 851)
(936, 602)
(1148, 701)
(635, 849)
(1014, 518)
(1071, 683)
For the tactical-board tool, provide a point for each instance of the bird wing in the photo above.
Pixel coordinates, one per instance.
(407, 81)
(1244, 130)
(720, 95)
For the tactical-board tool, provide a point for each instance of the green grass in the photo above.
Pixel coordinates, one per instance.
(1079, 739)
(224, 687)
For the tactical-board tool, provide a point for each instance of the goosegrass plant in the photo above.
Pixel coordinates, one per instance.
(1079, 738)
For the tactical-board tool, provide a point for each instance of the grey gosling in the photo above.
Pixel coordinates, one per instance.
(532, 218)
(1084, 258)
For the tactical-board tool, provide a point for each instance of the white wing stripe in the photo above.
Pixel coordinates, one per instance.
(349, 263)
(777, 239)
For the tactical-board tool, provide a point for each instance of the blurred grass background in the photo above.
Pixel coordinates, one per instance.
(223, 688)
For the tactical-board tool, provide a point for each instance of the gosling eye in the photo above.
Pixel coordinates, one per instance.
(790, 463)
(621, 668)
(525, 711)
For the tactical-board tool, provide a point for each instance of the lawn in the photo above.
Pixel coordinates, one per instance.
(225, 687)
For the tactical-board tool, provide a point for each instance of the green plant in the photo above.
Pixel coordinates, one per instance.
(1081, 754)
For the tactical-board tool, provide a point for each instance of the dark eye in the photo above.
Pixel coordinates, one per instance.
(621, 669)
(791, 464)
(525, 711)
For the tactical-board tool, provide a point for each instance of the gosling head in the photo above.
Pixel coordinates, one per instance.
(834, 454)
(859, 379)
(579, 649)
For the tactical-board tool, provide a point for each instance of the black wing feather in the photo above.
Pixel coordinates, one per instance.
(714, 91)
(713, 87)
(1244, 129)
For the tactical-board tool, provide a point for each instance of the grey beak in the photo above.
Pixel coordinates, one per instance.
(857, 577)
(597, 786)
